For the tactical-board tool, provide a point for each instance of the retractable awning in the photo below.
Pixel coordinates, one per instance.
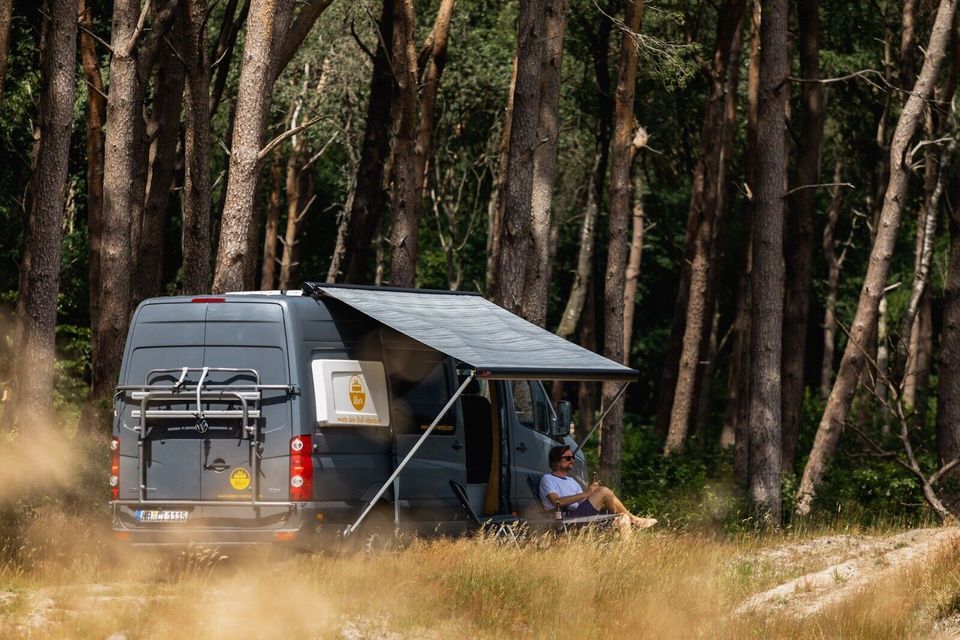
(478, 333)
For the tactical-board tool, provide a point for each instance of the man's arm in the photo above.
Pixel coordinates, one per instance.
(564, 501)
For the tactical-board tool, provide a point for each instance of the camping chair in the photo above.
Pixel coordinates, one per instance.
(535, 492)
(601, 520)
(501, 526)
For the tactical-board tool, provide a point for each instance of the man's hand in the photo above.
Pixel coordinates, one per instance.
(593, 488)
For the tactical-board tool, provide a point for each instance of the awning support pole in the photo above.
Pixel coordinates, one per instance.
(396, 472)
(602, 416)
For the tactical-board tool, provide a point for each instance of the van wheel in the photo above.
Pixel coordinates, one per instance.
(378, 534)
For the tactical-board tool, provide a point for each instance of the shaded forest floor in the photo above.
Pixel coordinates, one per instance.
(68, 580)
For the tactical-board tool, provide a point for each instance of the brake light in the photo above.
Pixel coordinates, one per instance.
(115, 468)
(208, 300)
(301, 468)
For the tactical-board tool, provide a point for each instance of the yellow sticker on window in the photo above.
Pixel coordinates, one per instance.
(240, 479)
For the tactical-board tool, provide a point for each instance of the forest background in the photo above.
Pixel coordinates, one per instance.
(753, 204)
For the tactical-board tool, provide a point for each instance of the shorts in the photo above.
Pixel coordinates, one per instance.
(583, 509)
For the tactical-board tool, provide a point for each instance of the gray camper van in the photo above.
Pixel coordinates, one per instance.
(298, 416)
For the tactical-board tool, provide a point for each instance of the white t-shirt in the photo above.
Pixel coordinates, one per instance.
(563, 487)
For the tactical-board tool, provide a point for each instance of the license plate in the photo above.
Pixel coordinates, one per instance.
(155, 515)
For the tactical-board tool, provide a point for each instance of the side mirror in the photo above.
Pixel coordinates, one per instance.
(564, 418)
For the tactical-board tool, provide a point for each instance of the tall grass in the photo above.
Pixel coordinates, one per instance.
(646, 585)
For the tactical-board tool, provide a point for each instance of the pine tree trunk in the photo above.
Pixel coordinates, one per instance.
(196, 197)
(833, 262)
(40, 278)
(632, 275)
(164, 128)
(369, 197)
(270, 236)
(299, 187)
(838, 405)
(405, 195)
(948, 382)
(575, 309)
(122, 146)
(6, 15)
(737, 412)
(266, 26)
(517, 238)
(798, 253)
(95, 119)
(497, 202)
(624, 129)
(767, 278)
(537, 278)
(584, 271)
(704, 212)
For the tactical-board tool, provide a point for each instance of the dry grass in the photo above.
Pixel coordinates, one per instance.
(61, 575)
(67, 582)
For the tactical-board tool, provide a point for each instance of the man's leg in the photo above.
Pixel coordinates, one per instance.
(606, 500)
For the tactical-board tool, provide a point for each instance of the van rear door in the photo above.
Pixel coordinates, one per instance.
(247, 336)
(166, 337)
(189, 457)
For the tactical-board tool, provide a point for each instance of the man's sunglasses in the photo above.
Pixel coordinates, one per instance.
(566, 457)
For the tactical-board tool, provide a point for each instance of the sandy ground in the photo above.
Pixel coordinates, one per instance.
(847, 565)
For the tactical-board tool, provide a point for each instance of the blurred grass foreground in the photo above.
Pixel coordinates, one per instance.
(66, 580)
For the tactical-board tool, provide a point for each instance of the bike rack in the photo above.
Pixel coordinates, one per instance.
(181, 391)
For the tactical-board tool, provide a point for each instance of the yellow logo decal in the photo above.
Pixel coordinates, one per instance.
(240, 479)
(357, 396)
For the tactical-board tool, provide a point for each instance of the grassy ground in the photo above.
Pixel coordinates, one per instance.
(66, 580)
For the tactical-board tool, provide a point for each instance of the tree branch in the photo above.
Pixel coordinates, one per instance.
(297, 33)
(821, 184)
(273, 144)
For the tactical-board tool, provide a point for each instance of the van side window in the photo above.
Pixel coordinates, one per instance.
(419, 391)
(531, 405)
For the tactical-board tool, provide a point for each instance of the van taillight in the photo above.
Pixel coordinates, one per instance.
(115, 468)
(208, 300)
(301, 468)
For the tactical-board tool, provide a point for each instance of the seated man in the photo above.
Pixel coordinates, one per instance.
(558, 487)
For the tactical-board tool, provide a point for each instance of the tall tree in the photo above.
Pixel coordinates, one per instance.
(273, 35)
(495, 207)
(834, 262)
(405, 201)
(271, 231)
(545, 163)
(766, 281)
(267, 24)
(838, 404)
(948, 383)
(368, 196)
(798, 250)
(163, 129)
(517, 238)
(708, 183)
(195, 203)
(40, 263)
(96, 117)
(621, 159)
(6, 16)
(415, 117)
(135, 50)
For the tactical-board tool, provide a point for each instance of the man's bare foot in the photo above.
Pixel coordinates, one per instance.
(642, 523)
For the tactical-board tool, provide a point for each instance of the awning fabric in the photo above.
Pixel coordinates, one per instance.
(478, 333)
